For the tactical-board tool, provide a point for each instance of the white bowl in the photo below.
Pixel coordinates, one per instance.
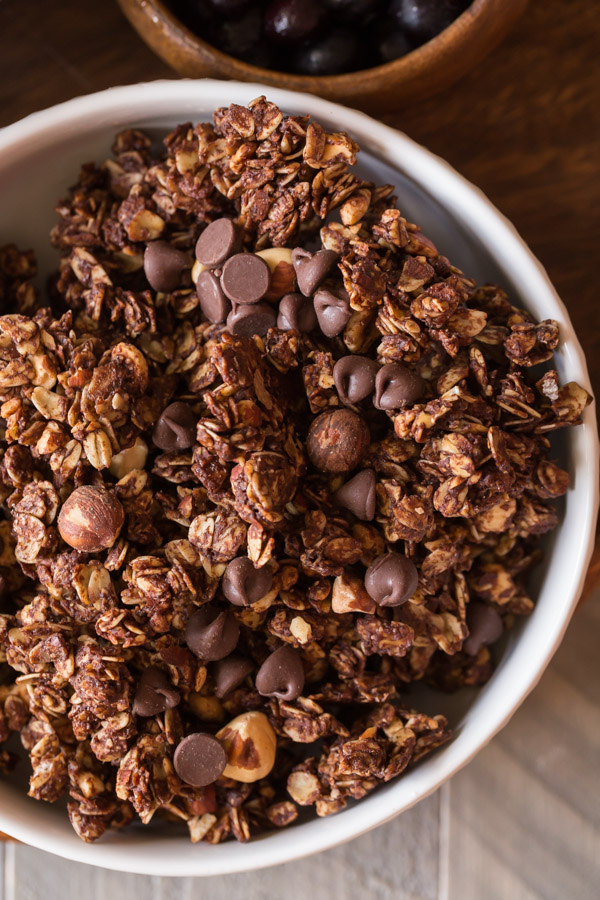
(39, 158)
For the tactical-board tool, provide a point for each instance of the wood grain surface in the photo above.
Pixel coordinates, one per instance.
(523, 820)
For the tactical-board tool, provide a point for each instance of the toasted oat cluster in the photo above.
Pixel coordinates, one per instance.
(267, 458)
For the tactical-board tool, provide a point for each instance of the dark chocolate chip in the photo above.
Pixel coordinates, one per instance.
(312, 268)
(245, 278)
(337, 440)
(211, 634)
(164, 266)
(242, 584)
(359, 495)
(296, 312)
(281, 675)
(391, 580)
(397, 387)
(218, 241)
(213, 302)
(229, 673)
(485, 627)
(247, 320)
(154, 693)
(354, 378)
(176, 427)
(199, 759)
(333, 312)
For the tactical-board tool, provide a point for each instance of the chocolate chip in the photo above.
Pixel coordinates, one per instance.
(164, 265)
(337, 440)
(333, 312)
(248, 320)
(213, 302)
(211, 634)
(354, 378)
(245, 278)
(312, 268)
(242, 584)
(359, 495)
(154, 693)
(281, 675)
(396, 387)
(218, 241)
(229, 673)
(391, 580)
(199, 759)
(485, 627)
(176, 427)
(296, 312)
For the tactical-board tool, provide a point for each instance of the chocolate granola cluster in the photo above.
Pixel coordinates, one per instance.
(254, 484)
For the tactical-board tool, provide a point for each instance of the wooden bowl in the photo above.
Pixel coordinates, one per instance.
(430, 68)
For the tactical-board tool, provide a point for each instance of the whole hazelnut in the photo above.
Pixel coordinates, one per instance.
(337, 440)
(90, 519)
(250, 744)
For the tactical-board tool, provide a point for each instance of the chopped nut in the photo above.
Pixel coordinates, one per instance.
(126, 461)
(349, 595)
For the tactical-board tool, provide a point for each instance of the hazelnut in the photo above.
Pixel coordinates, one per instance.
(250, 744)
(337, 440)
(90, 519)
(350, 595)
(127, 460)
(197, 268)
(304, 788)
(283, 274)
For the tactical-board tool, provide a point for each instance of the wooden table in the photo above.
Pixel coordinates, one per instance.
(523, 820)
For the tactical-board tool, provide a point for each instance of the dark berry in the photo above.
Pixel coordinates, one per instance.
(228, 8)
(332, 54)
(387, 41)
(259, 55)
(197, 16)
(240, 37)
(393, 47)
(291, 21)
(423, 19)
(354, 10)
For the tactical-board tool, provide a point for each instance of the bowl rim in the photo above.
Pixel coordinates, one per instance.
(160, 14)
(469, 205)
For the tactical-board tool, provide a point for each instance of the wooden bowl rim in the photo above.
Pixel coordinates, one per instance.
(451, 38)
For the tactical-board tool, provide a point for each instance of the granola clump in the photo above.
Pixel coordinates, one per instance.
(186, 559)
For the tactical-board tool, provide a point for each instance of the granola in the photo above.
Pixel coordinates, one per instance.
(252, 491)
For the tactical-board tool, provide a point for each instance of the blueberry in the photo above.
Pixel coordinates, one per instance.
(423, 19)
(228, 8)
(240, 37)
(292, 21)
(259, 54)
(197, 16)
(392, 44)
(332, 54)
(354, 10)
